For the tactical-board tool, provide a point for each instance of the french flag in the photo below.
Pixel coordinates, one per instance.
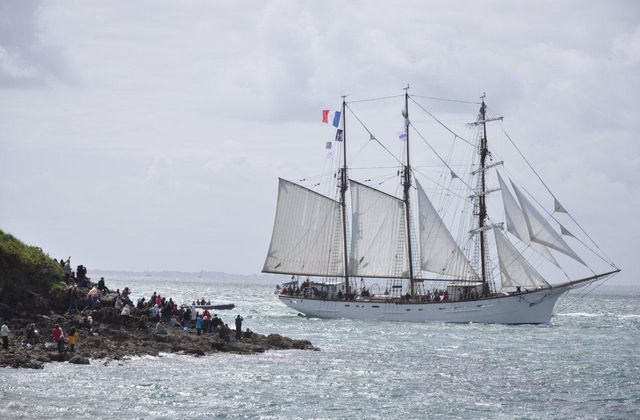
(334, 117)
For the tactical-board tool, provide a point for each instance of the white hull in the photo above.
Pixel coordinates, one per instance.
(529, 308)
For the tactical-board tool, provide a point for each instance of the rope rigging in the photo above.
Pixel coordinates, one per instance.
(381, 98)
(441, 123)
(438, 155)
(372, 137)
(434, 98)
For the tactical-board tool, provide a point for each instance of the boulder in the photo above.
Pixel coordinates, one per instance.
(79, 360)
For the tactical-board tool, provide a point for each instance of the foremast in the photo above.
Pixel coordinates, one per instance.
(406, 183)
(343, 200)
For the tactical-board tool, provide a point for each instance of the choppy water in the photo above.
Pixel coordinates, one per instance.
(586, 364)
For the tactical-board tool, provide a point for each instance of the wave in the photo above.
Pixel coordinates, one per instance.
(581, 314)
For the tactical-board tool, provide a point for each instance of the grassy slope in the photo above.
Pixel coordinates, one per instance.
(25, 270)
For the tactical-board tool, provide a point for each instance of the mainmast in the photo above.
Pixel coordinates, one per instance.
(343, 201)
(482, 210)
(407, 188)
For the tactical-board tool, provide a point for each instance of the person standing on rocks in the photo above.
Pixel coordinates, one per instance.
(239, 327)
(206, 318)
(58, 337)
(165, 313)
(93, 297)
(225, 333)
(87, 322)
(125, 315)
(101, 286)
(198, 324)
(32, 335)
(4, 333)
(72, 338)
(67, 270)
(73, 299)
(187, 319)
(125, 294)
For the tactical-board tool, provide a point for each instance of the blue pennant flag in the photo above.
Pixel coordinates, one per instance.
(336, 119)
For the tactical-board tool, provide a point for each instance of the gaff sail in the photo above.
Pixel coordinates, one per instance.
(306, 237)
(378, 243)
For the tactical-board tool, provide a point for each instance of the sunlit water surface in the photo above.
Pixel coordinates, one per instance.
(586, 363)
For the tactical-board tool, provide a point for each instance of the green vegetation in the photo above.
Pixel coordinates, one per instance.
(25, 270)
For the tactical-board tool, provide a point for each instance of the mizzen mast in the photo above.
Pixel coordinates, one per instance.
(406, 183)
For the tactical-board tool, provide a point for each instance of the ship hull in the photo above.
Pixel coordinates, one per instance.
(527, 308)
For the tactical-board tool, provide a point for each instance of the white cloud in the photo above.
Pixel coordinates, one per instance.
(12, 66)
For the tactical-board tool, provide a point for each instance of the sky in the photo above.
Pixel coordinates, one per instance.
(150, 135)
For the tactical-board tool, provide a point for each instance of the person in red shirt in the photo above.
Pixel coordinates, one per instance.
(58, 337)
(206, 317)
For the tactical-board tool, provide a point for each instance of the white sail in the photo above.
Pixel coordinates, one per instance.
(378, 244)
(516, 222)
(540, 230)
(439, 252)
(516, 271)
(306, 237)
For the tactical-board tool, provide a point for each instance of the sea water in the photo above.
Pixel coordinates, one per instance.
(585, 364)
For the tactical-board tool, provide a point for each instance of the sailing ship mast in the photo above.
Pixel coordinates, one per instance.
(407, 188)
(482, 210)
(343, 191)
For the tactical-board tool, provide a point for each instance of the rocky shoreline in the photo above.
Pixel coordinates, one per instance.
(113, 337)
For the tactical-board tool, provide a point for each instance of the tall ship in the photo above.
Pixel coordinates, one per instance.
(451, 242)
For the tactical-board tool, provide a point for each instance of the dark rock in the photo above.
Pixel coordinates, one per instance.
(79, 360)
(218, 346)
(194, 351)
(113, 339)
(59, 357)
(5, 312)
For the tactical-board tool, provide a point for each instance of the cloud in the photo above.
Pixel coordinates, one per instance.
(27, 59)
(626, 48)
